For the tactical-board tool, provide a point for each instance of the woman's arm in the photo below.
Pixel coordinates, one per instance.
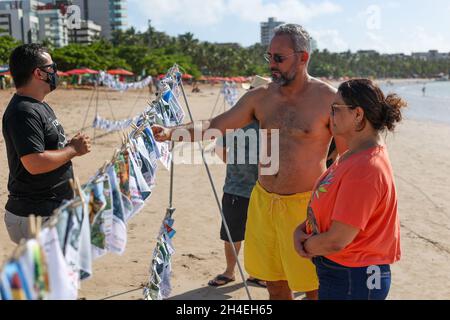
(333, 241)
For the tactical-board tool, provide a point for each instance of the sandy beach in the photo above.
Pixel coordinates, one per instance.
(420, 154)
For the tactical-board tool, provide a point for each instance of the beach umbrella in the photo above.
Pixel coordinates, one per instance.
(81, 71)
(186, 76)
(120, 72)
(63, 74)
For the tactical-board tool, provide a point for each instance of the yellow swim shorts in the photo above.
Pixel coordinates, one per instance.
(269, 252)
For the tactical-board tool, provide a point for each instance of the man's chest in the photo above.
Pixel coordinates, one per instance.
(294, 119)
(53, 131)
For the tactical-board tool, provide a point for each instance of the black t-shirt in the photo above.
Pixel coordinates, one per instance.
(30, 126)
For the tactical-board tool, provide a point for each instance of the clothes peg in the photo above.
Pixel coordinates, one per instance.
(38, 225)
(19, 251)
(126, 137)
(32, 225)
(73, 187)
(54, 218)
(116, 154)
(103, 168)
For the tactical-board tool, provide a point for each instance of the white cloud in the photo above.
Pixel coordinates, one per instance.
(330, 39)
(417, 39)
(212, 12)
(287, 10)
(421, 40)
(393, 5)
(375, 41)
(192, 12)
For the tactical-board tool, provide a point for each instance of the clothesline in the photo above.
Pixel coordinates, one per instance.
(167, 105)
(94, 223)
(111, 82)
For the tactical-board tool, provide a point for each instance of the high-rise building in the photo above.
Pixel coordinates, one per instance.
(19, 19)
(53, 25)
(267, 30)
(88, 32)
(111, 15)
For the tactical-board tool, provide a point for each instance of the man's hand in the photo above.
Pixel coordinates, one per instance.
(300, 237)
(161, 134)
(81, 143)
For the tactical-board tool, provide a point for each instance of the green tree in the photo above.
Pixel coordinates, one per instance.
(7, 44)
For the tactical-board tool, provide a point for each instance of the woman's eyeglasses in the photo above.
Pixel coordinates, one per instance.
(278, 58)
(334, 106)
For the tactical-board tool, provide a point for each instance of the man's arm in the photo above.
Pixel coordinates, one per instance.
(49, 160)
(40, 163)
(239, 116)
(221, 152)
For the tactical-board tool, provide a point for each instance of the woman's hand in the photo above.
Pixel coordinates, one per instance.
(300, 237)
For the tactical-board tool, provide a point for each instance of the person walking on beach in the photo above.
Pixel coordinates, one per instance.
(352, 232)
(239, 183)
(424, 90)
(297, 106)
(39, 155)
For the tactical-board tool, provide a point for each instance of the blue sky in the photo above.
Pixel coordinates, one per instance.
(388, 26)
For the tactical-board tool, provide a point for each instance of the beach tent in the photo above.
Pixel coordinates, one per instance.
(63, 74)
(120, 72)
(187, 76)
(81, 71)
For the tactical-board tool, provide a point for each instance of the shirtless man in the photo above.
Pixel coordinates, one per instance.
(298, 105)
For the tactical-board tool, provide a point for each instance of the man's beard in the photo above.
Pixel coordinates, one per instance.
(282, 79)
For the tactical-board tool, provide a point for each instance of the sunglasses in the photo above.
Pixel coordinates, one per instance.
(334, 106)
(53, 66)
(277, 58)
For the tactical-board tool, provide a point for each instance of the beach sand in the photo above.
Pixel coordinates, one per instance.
(420, 154)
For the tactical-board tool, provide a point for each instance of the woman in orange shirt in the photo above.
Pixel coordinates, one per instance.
(352, 232)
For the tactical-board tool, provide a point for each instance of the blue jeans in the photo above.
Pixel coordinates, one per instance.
(337, 282)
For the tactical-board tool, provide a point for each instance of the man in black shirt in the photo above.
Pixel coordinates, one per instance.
(39, 155)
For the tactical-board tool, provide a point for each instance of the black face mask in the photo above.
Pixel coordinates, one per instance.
(52, 77)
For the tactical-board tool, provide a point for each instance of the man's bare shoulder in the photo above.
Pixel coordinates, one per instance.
(323, 88)
(260, 94)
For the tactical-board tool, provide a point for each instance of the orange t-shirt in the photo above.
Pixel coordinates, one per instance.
(360, 192)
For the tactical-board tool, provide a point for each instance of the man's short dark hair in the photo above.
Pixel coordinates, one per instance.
(24, 60)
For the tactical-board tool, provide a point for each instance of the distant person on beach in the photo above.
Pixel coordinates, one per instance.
(239, 183)
(195, 87)
(39, 154)
(297, 106)
(150, 87)
(2, 83)
(424, 90)
(352, 232)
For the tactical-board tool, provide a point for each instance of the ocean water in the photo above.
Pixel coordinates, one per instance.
(434, 106)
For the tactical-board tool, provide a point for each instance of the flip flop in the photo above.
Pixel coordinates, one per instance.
(258, 282)
(223, 281)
